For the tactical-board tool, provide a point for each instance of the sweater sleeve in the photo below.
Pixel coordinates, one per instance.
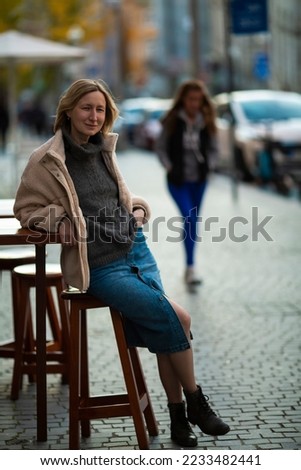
(132, 201)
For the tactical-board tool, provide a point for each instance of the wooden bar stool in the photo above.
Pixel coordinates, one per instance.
(57, 349)
(10, 258)
(82, 407)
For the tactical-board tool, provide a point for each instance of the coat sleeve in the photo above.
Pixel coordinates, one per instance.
(140, 203)
(213, 153)
(161, 149)
(34, 209)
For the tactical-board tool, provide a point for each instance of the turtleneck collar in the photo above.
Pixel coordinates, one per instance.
(93, 146)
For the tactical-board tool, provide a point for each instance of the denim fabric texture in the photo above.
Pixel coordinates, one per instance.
(132, 285)
(188, 197)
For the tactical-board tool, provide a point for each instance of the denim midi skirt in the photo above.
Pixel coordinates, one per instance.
(132, 285)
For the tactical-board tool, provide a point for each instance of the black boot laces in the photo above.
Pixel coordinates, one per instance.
(205, 405)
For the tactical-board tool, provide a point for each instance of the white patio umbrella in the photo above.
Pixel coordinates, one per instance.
(19, 48)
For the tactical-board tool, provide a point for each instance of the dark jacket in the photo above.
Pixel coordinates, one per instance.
(171, 152)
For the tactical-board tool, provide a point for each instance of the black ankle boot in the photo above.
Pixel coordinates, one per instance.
(181, 432)
(200, 413)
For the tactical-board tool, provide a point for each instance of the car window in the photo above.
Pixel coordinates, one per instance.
(157, 114)
(265, 110)
(133, 115)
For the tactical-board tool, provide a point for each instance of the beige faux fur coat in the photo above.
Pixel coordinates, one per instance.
(46, 194)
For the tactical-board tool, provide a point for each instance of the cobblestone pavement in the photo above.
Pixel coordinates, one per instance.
(246, 324)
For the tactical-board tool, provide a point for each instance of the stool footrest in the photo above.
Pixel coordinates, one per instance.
(7, 349)
(57, 356)
(105, 400)
(97, 408)
(50, 369)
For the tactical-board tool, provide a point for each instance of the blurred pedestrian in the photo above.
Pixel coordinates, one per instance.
(187, 149)
(38, 119)
(72, 184)
(4, 124)
(32, 118)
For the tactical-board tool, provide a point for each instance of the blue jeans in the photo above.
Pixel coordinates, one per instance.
(132, 285)
(188, 197)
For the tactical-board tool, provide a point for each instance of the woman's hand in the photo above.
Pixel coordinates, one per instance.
(66, 232)
(139, 217)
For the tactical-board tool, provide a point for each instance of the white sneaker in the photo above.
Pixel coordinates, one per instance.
(191, 276)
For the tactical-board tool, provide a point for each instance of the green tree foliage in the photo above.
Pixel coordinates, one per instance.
(10, 11)
(82, 22)
(53, 19)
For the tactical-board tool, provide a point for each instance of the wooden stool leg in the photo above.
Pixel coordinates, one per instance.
(65, 328)
(53, 318)
(15, 301)
(21, 322)
(84, 371)
(74, 377)
(29, 344)
(142, 388)
(130, 380)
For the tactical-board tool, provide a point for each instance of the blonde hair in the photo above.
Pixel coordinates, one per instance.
(206, 107)
(74, 93)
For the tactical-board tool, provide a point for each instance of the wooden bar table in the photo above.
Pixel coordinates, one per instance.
(11, 233)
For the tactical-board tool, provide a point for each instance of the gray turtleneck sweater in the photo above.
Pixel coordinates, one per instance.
(109, 225)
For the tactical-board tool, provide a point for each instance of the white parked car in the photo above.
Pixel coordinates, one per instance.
(133, 112)
(263, 120)
(148, 130)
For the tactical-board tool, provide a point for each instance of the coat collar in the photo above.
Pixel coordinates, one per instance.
(55, 146)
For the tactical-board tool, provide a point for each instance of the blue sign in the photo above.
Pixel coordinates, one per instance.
(249, 16)
(261, 66)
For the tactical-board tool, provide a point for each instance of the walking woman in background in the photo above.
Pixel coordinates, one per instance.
(72, 184)
(187, 150)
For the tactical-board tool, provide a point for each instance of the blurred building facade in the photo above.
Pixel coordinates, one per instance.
(150, 46)
(249, 53)
(286, 44)
(183, 23)
(182, 44)
(147, 47)
(267, 60)
(264, 60)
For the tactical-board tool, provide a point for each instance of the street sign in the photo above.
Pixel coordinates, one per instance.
(249, 16)
(261, 66)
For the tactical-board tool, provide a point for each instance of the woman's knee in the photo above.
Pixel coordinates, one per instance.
(183, 316)
(185, 320)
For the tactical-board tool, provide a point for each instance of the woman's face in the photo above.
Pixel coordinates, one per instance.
(87, 117)
(192, 102)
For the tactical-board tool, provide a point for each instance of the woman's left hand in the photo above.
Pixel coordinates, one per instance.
(139, 217)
